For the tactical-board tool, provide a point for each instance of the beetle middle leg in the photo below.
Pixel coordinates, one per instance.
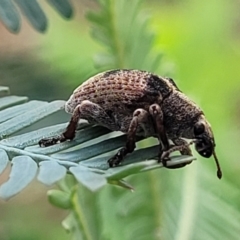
(157, 115)
(85, 110)
(140, 116)
(165, 147)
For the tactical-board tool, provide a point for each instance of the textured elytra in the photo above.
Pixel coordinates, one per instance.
(110, 88)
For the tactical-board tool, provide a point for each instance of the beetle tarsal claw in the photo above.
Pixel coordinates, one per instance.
(46, 142)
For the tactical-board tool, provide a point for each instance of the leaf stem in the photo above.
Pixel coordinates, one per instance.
(82, 223)
(155, 201)
(188, 209)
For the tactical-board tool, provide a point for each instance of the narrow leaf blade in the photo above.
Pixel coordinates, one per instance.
(92, 150)
(31, 138)
(26, 119)
(82, 135)
(14, 111)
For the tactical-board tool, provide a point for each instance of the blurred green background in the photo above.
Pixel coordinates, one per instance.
(200, 41)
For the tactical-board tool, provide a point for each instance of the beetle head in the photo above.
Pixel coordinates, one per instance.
(204, 142)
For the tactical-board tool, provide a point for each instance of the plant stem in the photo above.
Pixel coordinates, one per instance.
(79, 215)
(188, 209)
(155, 200)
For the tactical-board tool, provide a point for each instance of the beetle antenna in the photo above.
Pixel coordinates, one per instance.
(219, 171)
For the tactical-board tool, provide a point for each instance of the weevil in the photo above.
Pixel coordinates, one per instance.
(140, 103)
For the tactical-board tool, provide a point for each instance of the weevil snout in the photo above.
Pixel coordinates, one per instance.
(204, 143)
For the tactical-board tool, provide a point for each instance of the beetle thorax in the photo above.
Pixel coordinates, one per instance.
(180, 114)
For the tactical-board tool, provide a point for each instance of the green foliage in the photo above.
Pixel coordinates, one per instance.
(124, 33)
(184, 204)
(189, 203)
(83, 158)
(10, 16)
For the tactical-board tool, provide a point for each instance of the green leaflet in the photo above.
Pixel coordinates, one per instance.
(63, 7)
(23, 172)
(33, 12)
(50, 172)
(85, 157)
(9, 15)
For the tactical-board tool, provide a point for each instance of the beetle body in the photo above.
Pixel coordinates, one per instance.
(121, 92)
(139, 103)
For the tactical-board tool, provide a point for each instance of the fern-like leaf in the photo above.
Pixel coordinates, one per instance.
(10, 15)
(123, 30)
(83, 157)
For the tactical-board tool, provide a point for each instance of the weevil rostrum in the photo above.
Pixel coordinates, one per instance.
(144, 104)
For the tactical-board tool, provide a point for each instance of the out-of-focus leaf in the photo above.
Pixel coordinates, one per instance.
(3, 160)
(50, 172)
(71, 226)
(33, 13)
(59, 198)
(22, 173)
(121, 183)
(126, 47)
(4, 91)
(31, 9)
(63, 7)
(9, 15)
(11, 101)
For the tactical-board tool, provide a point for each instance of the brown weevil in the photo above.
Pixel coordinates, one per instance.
(140, 103)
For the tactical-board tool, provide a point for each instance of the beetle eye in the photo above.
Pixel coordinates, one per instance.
(199, 128)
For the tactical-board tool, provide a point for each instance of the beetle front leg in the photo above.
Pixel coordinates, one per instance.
(139, 116)
(85, 110)
(182, 146)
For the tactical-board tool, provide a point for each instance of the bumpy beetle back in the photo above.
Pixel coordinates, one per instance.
(117, 88)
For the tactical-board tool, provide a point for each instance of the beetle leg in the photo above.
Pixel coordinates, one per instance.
(139, 116)
(157, 115)
(182, 146)
(85, 110)
(185, 149)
